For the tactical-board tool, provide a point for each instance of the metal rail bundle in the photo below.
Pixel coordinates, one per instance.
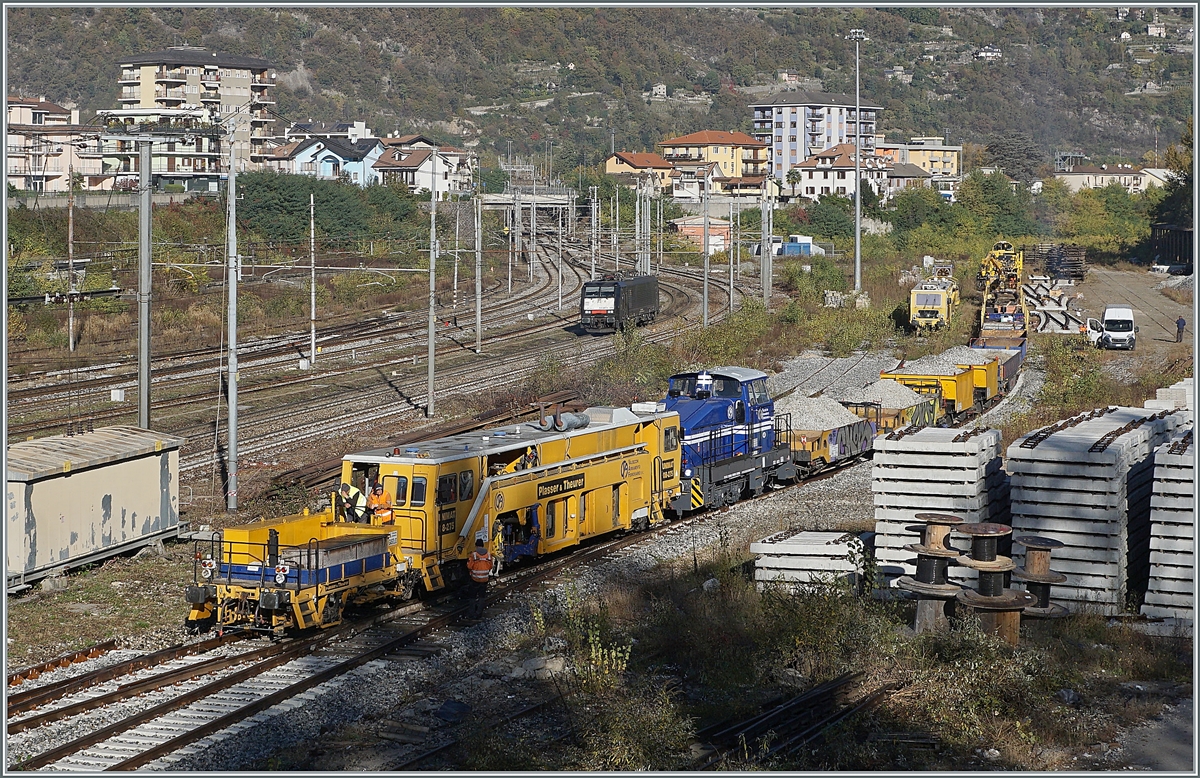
(787, 727)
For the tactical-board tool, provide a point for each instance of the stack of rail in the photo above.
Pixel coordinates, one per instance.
(1173, 533)
(1086, 481)
(934, 469)
(806, 557)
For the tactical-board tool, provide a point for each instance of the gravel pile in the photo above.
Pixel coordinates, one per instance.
(1177, 282)
(946, 362)
(814, 413)
(886, 392)
(479, 665)
(811, 374)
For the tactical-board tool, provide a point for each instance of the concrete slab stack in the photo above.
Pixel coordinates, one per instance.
(934, 470)
(1172, 533)
(804, 557)
(1086, 481)
(1178, 395)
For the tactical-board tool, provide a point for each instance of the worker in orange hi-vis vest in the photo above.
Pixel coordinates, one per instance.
(479, 564)
(380, 505)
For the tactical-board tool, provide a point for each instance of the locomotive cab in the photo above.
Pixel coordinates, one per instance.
(730, 445)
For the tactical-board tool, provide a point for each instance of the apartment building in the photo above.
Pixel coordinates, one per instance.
(41, 148)
(930, 153)
(1078, 177)
(795, 125)
(632, 167)
(238, 91)
(735, 162)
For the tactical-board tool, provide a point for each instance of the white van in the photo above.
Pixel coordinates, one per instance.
(1116, 330)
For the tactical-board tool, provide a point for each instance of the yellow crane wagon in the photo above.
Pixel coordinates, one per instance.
(524, 489)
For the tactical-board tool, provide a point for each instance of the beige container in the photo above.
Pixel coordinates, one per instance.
(72, 500)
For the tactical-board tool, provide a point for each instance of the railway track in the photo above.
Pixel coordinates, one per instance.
(246, 681)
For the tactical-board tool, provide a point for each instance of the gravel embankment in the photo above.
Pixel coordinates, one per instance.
(479, 663)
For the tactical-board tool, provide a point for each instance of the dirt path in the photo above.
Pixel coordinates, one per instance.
(1163, 743)
(1154, 312)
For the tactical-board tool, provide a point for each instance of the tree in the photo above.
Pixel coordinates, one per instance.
(793, 178)
(1017, 155)
(830, 217)
(1176, 206)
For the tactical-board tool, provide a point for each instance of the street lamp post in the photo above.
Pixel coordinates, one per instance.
(859, 37)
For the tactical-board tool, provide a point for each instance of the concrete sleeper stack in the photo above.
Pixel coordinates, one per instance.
(806, 557)
(1173, 533)
(1086, 482)
(933, 469)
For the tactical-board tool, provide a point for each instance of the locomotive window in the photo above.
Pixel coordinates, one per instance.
(447, 490)
(397, 486)
(670, 438)
(550, 516)
(726, 387)
(758, 393)
(466, 485)
(418, 492)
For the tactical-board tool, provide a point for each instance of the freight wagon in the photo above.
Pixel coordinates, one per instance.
(613, 303)
(926, 413)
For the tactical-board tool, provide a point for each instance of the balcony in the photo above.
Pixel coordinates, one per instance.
(210, 97)
(162, 75)
(130, 77)
(130, 95)
(170, 95)
(23, 168)
(210, 77)
(263, 97)
(262, 81)
(683, 156)
(261, 116)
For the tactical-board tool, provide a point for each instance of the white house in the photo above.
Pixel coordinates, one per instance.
(329, 158)
(831, 172)
(1079, 177)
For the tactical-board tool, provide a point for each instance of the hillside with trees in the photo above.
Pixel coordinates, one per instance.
(1065, 79)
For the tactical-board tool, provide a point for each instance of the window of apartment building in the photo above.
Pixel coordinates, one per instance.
(793, 124)
(841, 174)
(38, 118)
(779, 125)
(810, 190)
(825, 175)
(841, 190)
(824, 190)
(810, 175)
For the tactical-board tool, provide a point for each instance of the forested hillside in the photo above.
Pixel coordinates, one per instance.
(1063, 77)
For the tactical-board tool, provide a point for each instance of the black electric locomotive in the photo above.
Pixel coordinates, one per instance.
(612, 303)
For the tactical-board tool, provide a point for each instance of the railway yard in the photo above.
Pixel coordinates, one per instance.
(653, 649)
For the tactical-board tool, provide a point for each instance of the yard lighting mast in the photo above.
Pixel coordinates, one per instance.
(705, 249)
(312, 281)
(859, 37)
(231, 279)
(431, 330)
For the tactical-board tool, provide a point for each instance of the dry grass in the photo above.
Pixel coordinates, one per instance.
(732, 647)
(1181, 296)
(122, 597)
